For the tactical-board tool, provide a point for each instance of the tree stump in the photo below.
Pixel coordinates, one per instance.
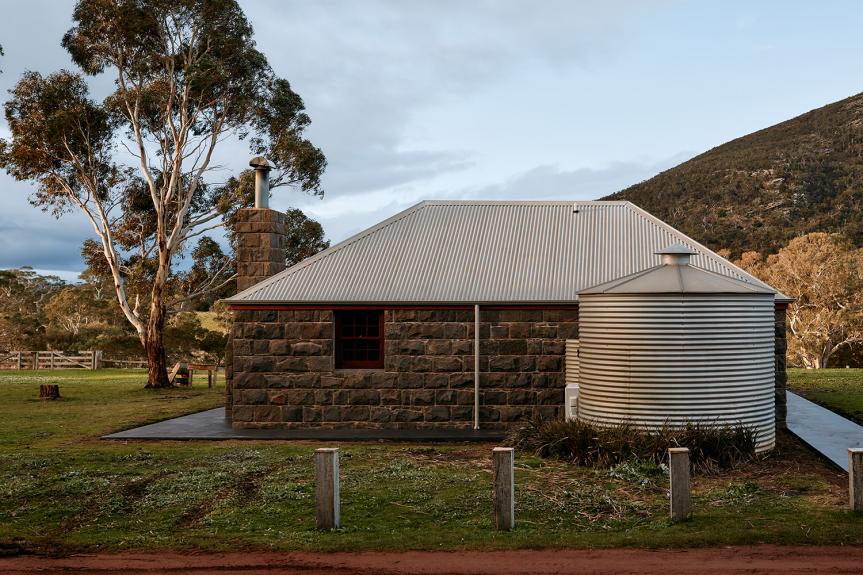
(49, 391)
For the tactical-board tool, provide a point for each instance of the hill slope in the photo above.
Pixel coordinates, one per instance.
(759, 191)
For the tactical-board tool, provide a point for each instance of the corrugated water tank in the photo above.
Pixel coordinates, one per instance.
(676, 344)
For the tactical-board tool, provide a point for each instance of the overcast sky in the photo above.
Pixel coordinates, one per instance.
(506, 99)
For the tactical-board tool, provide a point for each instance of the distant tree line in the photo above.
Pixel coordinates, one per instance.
(44, 312)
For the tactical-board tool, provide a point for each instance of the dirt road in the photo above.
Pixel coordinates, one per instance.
(750, 560)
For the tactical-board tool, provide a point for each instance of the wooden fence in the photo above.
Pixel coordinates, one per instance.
(50, 359)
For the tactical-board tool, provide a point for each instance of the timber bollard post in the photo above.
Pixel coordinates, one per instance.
(327, 488)
(855, 478)
(503, 459)
(678, 475)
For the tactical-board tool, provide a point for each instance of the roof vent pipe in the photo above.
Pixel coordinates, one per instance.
(676, 255)
(262, 181)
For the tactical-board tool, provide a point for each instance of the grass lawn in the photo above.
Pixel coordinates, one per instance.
(63, 489)
(840, 390)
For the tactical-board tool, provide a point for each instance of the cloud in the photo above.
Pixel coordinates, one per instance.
(370, 72)
(342, 216)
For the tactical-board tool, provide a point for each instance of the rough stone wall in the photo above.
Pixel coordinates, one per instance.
(283, 373)
(781, 335)
(260, 254)
(260, 245)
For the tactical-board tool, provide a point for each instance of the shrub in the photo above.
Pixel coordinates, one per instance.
(711, 447)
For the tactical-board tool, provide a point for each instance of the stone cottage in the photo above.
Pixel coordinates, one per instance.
(450, 314)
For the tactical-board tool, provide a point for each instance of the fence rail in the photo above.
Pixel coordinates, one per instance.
(51, 359)
(124, 363)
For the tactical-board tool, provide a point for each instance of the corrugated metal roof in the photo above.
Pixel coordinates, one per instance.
(681, 279)
(484, 252)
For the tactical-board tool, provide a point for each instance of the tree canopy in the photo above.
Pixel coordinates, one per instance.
(139, 163)
(824, 274)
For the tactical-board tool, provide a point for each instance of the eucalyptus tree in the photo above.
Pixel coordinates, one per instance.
(139, 163)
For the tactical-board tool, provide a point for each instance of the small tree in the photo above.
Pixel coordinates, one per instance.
(187, 76)
(824, 274)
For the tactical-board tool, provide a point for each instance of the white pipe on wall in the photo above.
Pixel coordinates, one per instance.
(476, 366)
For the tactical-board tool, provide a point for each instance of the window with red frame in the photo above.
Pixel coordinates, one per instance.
(359, 339)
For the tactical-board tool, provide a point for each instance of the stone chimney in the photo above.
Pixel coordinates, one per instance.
(260, 234)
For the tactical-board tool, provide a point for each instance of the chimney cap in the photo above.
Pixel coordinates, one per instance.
(260, 163)
(677, 249)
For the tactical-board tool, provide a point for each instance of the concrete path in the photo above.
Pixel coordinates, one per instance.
(211, 424)
(826, 432)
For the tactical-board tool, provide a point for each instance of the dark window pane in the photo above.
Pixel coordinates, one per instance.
(359, 339)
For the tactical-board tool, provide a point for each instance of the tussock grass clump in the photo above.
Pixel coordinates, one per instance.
(711, 448)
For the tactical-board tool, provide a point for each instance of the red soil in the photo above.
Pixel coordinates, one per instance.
(709, 561)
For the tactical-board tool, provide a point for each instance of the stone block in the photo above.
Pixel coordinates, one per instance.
(407, 415)
(519, 413)
(279, 347)
(503, 363)
(499, 332)
(319, 363)
(293, 364)
(292, 413)
(300, 397)
(258, 364)
(461, 380)
(520, 397)
(438, 413)
(448, 363)
(543, 330)
(243, 413)
(390, 396)
(364, 397)
(411, 347)
(423, 397)
(439, 347)
(445, 397)
(331, 413)
(411, 380)
(462, 346)
(254, 397)
(435, 381)
(519, 330)
(553, 347)
(455, 331)
(567, 331)
(312, 414)
(549, 363)
(489, 397)
(512, 347)
(383, 379)
(306, 348)
(549, 397)
(268, 413)
(355, 413)
(331, 382)
(422, 363)
(461, 413)
(487, 413)
(526, 363)
(380, 415)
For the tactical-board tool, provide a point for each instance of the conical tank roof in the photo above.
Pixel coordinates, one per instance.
(676, 275)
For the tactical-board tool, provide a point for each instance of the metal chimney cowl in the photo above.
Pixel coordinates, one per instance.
(262, 181)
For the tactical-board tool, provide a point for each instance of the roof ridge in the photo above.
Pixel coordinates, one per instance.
(745, 276)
